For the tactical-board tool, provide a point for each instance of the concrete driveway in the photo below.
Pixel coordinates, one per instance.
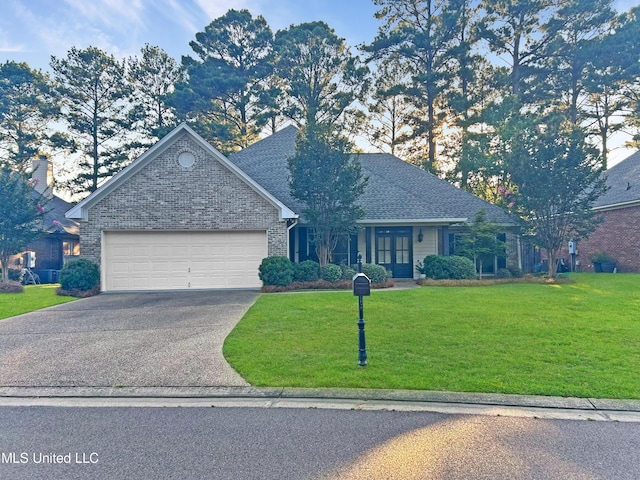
(125, 340)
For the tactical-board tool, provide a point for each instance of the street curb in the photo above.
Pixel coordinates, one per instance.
(288, 393)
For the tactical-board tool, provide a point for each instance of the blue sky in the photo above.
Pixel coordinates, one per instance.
(33, 30)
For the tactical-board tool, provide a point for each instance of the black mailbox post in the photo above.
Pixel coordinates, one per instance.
(361, 285)
(361, 288)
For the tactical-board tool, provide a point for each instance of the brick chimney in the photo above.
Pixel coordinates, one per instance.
(43, 176)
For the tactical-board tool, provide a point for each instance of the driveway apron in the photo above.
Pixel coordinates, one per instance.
(133, 339)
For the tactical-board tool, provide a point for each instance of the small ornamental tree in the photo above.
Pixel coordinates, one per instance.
(21, 210)
(329, 181)
(482, 241)
(558, 177)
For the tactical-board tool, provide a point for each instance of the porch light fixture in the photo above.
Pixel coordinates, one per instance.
(420, 236)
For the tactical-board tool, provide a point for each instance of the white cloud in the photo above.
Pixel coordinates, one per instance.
(8, 47)
(218, 9)
(118, 14)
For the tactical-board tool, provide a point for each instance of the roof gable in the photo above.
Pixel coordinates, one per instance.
(80, 211)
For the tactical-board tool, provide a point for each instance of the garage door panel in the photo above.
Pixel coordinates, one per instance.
(183, 260)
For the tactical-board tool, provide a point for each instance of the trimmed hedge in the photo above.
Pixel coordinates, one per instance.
(277, 270)
(376, 273)
(447, 268)
(81, 275)
(307, 271)
(278, 273)
(330, 272)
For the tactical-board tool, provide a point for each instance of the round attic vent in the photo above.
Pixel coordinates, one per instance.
(186, 159)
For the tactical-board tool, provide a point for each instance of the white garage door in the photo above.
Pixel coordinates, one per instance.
(182, 260)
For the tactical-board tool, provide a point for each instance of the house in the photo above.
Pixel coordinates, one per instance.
(61, 241)
(619, 233)
(183, 216)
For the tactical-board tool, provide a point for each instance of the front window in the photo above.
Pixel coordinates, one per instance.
(71, 248)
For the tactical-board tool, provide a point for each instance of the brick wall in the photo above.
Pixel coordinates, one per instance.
(165, 196)
(618, 235)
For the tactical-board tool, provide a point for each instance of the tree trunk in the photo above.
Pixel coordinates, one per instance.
(4, 262)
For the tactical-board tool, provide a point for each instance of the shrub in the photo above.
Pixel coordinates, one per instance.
(515, 272)
(376, 273)
(11, 286)
(306, 271)
(503, 273)
(434, 266)
(276, 270)
(455, 267)
(14, 274)
(331, 272)
(460, 268)
(81, 275)
(347, 272)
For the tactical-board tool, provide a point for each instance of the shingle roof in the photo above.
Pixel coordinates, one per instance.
(623, 180)
(396, 190)
(54, 219)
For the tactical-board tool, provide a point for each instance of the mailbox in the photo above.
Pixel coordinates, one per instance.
(361, 285)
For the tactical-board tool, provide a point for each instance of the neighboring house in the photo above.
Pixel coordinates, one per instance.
(619, 233)
(62, 239)
(183, 216)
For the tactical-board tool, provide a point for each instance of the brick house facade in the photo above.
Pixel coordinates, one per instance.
(184, 216)
(619, 233)
(618, 236)
(156, 193)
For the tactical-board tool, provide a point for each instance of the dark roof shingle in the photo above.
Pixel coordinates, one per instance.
(396, 190)
(623, 181)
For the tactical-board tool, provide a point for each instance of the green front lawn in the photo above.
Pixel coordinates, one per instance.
(33, 298)
(579, 339)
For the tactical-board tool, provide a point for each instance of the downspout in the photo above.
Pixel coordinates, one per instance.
(289, 227)
(519, 248)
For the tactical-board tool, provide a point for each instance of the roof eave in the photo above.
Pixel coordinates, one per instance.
(615, 206)
(412, 221)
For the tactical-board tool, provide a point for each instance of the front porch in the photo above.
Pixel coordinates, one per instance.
(395, 247)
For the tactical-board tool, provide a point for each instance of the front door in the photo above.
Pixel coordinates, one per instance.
(394, 250)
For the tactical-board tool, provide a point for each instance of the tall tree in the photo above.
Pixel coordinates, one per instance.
(389, 109)
(614, 75)
(321, 79)
(153, 76)
(329, 181)
(95, 101)
(626, 41)
(422, 33)
(578, 27)
(475, 85)
(27, 108)
(512, 30)
(20, 213)
(227, 91)
(558, 177)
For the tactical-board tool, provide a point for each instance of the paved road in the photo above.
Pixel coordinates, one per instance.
(312, 444)
(150, 339)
